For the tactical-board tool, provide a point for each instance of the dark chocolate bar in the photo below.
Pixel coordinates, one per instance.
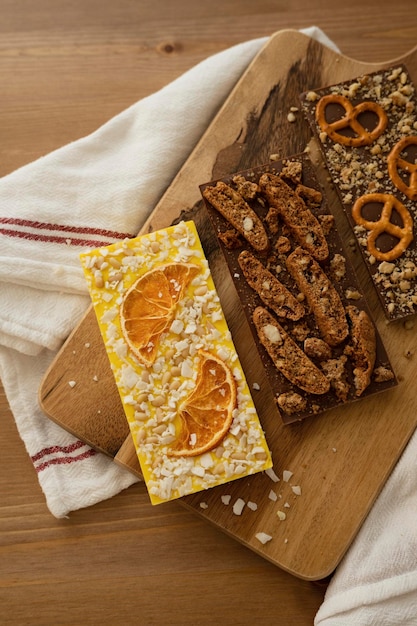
(310, 320)
(367, 132)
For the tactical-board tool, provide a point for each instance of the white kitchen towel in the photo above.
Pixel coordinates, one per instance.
(376, 583)
(94, 191)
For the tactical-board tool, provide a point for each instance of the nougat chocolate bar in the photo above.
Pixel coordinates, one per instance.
(309, 318)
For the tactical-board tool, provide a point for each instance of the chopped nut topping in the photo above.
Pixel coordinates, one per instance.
(272, 334)
(360, 171)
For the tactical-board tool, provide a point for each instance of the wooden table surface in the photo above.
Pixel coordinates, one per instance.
(66, 68)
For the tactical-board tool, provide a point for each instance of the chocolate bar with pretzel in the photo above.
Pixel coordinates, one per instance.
(367, 132)
(310, 320)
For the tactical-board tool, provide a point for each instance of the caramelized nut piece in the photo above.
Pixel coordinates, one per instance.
(287, 357)
(316, 348)
(383, 374)
(299, 220)
(321, 295)
(238, 212)
(363, 350)
(335, 370)
(271, 291)
(291, 402)
(312, 197)
(246, 188)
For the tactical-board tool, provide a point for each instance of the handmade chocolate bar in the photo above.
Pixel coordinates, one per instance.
(367, 131)
(190, 412)
(308, 315)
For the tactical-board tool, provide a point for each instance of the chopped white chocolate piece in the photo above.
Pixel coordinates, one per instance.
(238, 506)
(263, 537)
(272, 496)
(271, 474)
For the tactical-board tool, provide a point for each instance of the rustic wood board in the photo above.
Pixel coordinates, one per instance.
(340, 459)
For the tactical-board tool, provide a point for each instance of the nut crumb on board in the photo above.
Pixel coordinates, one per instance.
(263, 537)
(238, 506)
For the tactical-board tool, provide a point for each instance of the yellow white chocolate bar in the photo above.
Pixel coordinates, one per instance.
(151, 395)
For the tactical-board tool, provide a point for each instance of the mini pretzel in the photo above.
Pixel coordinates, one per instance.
(350, 120)
(396, 162)
(384, 225)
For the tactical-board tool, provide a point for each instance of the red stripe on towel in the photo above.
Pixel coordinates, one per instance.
(66, 460)
(69, 241)
(54, 449)
(61, 455)
(64, 228)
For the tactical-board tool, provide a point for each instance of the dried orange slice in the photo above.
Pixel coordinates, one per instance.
(207, 413)
(148, 307)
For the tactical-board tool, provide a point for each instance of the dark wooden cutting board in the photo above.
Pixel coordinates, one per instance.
(340, 459)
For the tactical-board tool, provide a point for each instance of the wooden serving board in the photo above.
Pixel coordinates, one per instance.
(340, 459)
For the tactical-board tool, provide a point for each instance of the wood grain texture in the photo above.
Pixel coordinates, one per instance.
(319, 526)
(65, 69)
(69, 68)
